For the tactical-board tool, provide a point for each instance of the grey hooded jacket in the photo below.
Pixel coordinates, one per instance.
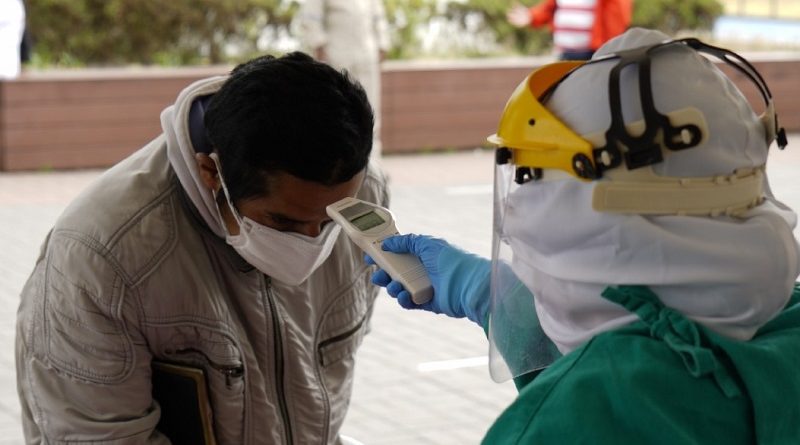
(131, 274)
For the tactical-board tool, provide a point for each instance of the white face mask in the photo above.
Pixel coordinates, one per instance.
(285, 256)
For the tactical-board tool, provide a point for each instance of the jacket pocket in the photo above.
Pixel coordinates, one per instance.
(224, 371)
(343, 327)
(231, 372)
(341, 333)
(344, 345)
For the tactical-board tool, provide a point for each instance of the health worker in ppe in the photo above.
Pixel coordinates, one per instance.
(642, 285)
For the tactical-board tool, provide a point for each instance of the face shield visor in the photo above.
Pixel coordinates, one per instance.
(535, 147)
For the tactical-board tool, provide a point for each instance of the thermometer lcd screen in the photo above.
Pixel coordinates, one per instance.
(367, 221)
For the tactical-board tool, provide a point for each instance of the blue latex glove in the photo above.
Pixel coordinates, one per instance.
(460, 279)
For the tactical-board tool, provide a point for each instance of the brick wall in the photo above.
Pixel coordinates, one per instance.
(94, 118)
(84, 118)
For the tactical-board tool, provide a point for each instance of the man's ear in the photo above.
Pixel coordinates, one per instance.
(208, 171)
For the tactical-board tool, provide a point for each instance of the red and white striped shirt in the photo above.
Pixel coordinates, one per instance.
(572, 25)
(582, 25)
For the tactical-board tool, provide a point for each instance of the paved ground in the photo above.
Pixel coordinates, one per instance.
(398, 398)
(421, 378)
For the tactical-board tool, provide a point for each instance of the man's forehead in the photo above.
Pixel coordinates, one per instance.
(289, 196)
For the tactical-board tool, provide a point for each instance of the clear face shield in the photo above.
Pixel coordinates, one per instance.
(517, 342)
(535, 146)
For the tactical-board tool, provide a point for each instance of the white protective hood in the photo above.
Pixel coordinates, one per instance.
(181, 153)
(729, 274)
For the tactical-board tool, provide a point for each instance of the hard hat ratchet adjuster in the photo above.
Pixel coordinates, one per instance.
(644, 149)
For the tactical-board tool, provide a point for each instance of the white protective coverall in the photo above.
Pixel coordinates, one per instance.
(12, 26)
(352, 34)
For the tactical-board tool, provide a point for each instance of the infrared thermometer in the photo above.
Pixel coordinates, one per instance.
(368, 225)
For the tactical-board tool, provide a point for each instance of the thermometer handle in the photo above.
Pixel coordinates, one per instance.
(406, 269)
(368, 224)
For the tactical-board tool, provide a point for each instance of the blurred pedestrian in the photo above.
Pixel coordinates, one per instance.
(579, 26)
(26, 43)
(25, 47)
(12, 26)
(351, 35)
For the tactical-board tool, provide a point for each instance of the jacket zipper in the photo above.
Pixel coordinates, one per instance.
(230, 372)
(279, 371)
(321, 347)
(339, 337)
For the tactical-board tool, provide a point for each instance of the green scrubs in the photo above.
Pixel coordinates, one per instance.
(664, 380)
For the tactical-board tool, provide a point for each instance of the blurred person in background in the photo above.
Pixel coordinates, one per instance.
(351, 35)
(579, 27)
(642, 284)
(12, 28)
(209, 251)
(26, 45)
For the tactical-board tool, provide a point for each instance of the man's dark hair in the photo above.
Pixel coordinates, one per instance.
(289, 114)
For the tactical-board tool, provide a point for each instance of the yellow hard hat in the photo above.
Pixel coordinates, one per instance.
(530, 135)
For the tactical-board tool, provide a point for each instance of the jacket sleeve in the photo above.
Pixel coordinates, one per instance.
(83, 371)
(311, 24)
(542, 14)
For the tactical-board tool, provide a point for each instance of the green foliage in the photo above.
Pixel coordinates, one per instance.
(490, 15)
(103, 32)
(405, 18)
(669, 16)
(672, 16)
(181, 32)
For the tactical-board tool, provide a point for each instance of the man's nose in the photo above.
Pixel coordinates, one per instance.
(313, 229)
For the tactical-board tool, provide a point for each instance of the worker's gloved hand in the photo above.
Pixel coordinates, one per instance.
(460, 279)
